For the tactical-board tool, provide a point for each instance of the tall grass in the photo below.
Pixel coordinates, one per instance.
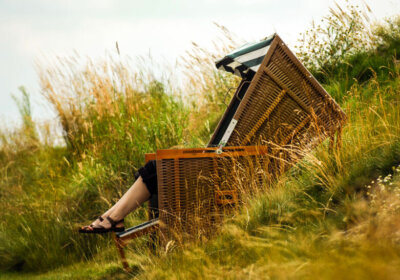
(111, 112)
(333, 215)
(320, 218)
(329, 216)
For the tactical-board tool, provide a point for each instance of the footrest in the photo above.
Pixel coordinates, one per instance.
(139, 230)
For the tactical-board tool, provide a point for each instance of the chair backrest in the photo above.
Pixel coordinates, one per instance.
(282, 104)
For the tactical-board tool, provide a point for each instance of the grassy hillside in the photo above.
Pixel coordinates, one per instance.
(333, 215)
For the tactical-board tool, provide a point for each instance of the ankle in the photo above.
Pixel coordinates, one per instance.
(114, 222)
(115, 219)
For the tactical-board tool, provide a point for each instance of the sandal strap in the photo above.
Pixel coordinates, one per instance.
(114, 223)
(100, 218)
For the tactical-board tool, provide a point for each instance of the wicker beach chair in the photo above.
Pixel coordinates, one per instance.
(278, 111)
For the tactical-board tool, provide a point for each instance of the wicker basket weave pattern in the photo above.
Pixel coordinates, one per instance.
(284, 100)
(196, 191)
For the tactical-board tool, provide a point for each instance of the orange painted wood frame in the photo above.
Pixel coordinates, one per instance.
(211, 152)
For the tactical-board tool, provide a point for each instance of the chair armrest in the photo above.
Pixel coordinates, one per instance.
(149, 156)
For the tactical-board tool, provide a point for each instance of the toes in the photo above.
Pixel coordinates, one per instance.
(90, 227)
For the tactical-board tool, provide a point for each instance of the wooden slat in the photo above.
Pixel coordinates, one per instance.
(290, 92)
(297, 129)
(120, 248)
(151, 227)
(211, 152)
(149, 156)
(264, 117)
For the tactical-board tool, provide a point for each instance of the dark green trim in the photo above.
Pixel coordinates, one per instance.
(252, 48)
(254, 62)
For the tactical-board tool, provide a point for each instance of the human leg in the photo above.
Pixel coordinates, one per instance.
(133, 198)
(101, 218)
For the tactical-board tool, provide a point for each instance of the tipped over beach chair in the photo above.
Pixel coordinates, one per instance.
(277, 111)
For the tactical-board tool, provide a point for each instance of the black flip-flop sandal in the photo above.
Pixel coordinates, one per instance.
(101, 229)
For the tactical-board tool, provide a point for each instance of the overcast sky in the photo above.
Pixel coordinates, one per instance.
(31, 29)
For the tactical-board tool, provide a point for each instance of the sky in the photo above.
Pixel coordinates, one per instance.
(33, 30)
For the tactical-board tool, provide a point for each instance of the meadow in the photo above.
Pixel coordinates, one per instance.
(335, 214)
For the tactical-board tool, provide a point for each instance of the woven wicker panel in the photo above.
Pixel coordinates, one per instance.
(185, 194)
(187, 187)
(245, 173)
(285, 105)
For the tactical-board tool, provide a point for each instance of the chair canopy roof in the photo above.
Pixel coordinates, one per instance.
(246, 58)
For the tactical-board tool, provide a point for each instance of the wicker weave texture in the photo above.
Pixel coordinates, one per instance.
(188, 185)
(285, 105)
